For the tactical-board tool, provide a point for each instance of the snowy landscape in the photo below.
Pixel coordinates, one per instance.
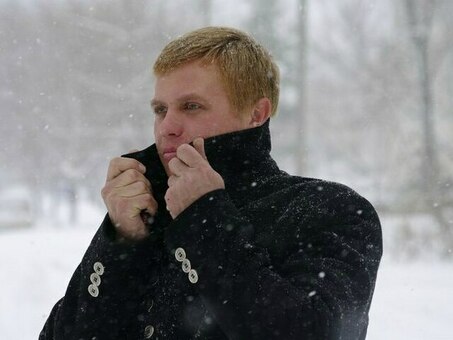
(413, 300)
(365, 100)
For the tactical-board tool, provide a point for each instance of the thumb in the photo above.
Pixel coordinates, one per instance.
(198, 144)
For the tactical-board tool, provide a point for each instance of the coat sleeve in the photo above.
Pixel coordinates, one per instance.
(86, 312)
(320, 289)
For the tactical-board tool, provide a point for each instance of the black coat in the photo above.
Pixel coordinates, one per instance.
(277, 257)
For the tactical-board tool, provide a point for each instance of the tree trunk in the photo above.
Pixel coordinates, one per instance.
(420, 16)
(301, 89)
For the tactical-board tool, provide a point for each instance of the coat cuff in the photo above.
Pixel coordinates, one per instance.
(119, 264)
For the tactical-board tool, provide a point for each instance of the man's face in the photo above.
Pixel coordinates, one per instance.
(191, 102)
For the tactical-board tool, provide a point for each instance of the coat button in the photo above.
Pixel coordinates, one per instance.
(149, 331)
(93, 290)
(98, 268)
(180, 254)
(193, 276)
(95, 279)
(186, 266)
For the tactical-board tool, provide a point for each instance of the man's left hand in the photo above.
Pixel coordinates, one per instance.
(191, 177)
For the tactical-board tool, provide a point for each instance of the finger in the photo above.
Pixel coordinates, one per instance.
(198, 144)
(151, 206)
(121, 164)
(133, 150)
(128, 177)
(172, 180)
(168, 201)
(132, 190)
(177, 167)
(143, 202)
(189, 155)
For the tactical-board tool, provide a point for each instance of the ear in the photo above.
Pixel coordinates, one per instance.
(261, 112)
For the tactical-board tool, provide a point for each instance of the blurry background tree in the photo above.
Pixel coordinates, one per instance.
(366, 95)
(420, 18)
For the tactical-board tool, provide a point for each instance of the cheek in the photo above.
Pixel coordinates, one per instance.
(209, 129)
(155, 126)
(226, 125)
(157, 139)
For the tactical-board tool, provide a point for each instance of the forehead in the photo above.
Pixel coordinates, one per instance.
(195, 79)
(193, 74)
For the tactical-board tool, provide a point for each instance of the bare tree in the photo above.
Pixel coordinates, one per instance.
(420, 23)
(420, 19)
(301, 74)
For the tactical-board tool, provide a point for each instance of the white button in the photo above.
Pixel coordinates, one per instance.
(93, 290)
(193, 276)
(95, 279)
(186, 266)
(149, 331)
(99, 268)
(180, 254)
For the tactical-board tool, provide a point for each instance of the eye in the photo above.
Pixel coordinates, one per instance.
(192, 106)
(159, 109)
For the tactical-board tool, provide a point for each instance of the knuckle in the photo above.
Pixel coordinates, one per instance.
(105, 192)
(142, 187)
(134, 164)
(109, 196)
(149, 201)
(181, 147)
(148, 198)
(131, 174)
(205, 166)
(172, 162)
(115, 161)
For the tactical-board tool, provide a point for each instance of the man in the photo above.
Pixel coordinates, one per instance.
(205, 237)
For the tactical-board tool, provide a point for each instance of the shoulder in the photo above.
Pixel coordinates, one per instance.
(331, 210)
(325, 201)
(316, 216)
(316, 191)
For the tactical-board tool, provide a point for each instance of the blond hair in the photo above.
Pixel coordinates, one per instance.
(247, 69)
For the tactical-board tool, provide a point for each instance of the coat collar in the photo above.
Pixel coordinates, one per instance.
(242, 158)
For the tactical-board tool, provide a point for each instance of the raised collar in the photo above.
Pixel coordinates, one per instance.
(242, 158)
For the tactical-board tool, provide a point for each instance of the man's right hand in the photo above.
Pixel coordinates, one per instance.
(126, 193)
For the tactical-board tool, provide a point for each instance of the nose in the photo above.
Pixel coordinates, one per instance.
(170, 125)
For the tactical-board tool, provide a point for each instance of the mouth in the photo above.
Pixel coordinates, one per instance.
(168, 154)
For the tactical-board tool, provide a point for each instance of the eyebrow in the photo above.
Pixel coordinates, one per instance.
(186, 97)
(155, 102)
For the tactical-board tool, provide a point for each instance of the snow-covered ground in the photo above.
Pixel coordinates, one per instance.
(412, 300)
